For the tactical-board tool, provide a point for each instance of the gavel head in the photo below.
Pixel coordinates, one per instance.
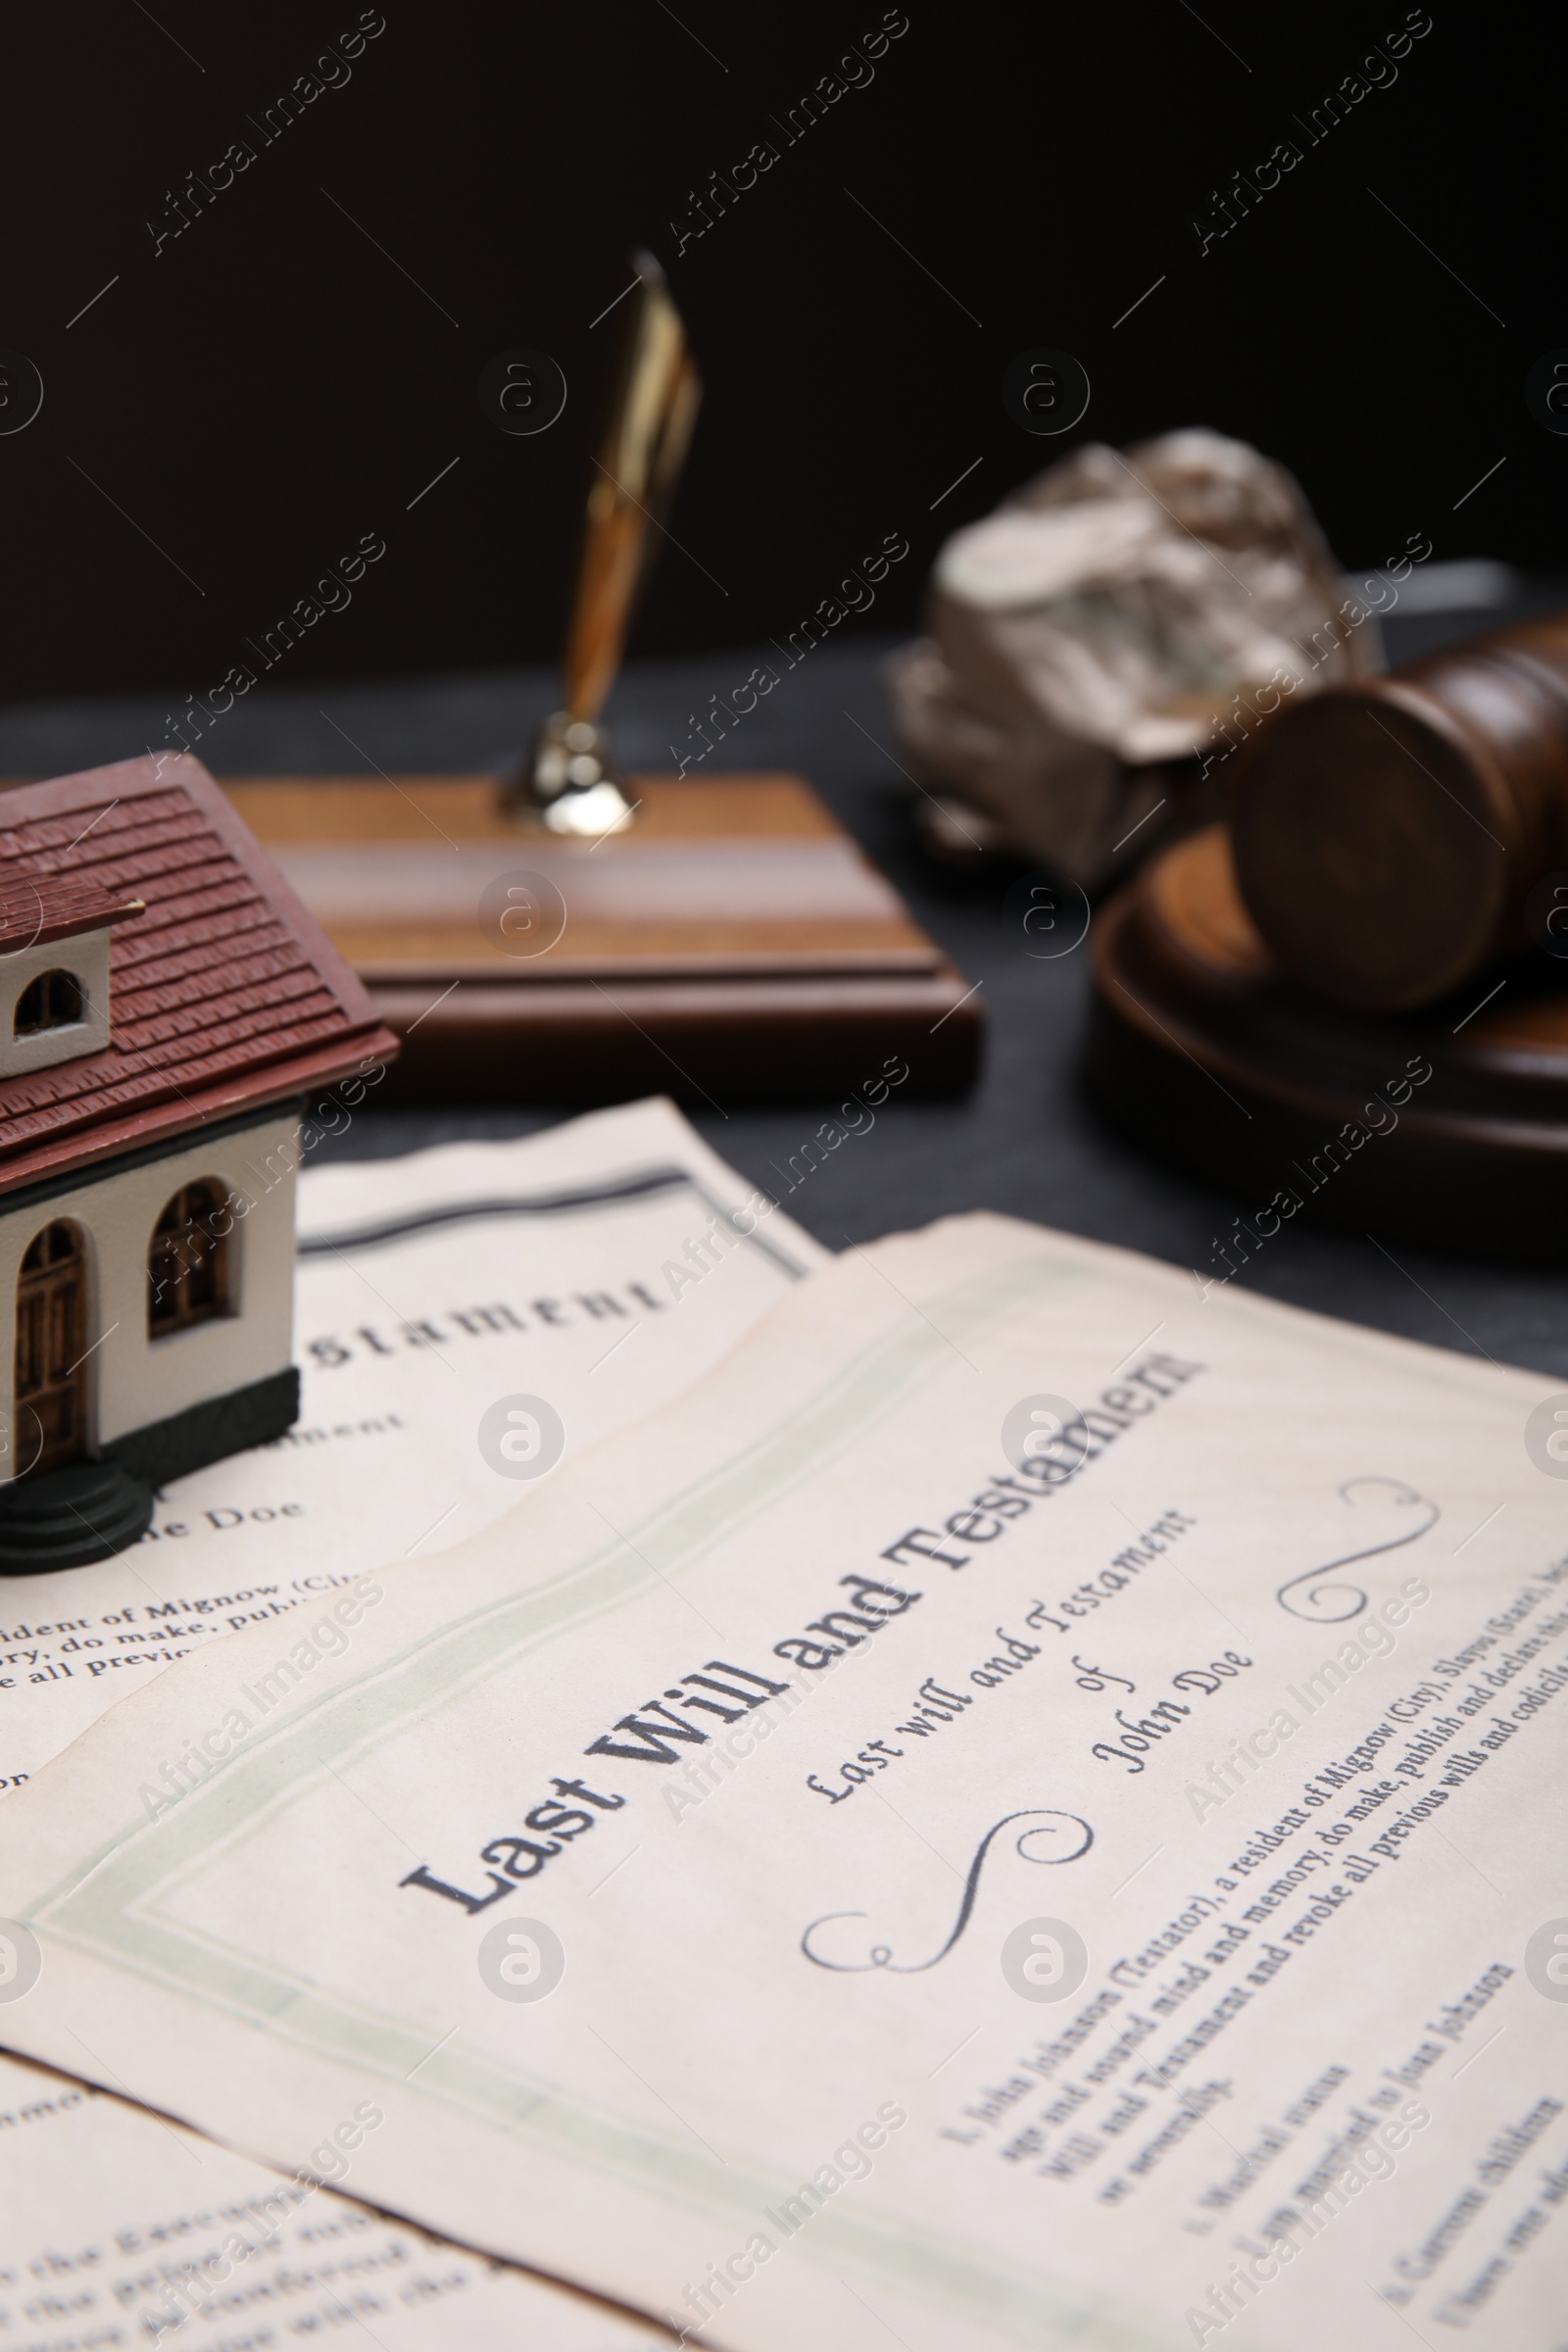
(1388, 834)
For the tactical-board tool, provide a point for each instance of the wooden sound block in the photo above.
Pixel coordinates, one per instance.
(731, 943)
(1202, 1051)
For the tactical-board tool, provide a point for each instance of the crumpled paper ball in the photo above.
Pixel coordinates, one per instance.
(1102, 623)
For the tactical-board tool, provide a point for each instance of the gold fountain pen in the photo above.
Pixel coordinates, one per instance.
(570, 784)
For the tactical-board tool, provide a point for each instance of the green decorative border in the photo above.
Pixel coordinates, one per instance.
(114, 1911)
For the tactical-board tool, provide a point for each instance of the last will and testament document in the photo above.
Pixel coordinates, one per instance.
(597, 1268)
(1020, 1810)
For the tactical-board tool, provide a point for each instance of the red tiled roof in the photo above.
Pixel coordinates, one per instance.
(37, 906)
(224, 995)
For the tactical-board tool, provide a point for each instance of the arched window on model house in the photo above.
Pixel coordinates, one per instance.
(187, 1265)
(54, 1000)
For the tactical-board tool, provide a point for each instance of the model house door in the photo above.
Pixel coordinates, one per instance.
(51, 1392)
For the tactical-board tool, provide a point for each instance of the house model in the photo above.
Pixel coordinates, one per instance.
(166, 1010)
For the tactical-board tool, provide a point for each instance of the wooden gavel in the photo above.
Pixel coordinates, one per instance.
(1389, 834)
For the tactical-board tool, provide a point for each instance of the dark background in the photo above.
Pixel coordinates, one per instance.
(272, 383)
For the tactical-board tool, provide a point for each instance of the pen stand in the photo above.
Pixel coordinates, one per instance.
(729, 943)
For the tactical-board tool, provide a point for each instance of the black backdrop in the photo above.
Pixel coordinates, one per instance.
(287, 373)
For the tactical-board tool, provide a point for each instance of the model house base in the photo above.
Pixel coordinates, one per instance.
(89, 1508)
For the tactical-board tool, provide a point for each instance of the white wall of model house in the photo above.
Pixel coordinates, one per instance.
(86, 958)
(134, 1378)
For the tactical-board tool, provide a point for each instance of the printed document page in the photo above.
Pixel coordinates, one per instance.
(120, 2229)
(1023, 1809)
(462, 1317)
(427, 1287)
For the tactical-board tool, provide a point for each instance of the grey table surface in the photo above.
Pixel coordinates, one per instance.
(1025, 1140)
